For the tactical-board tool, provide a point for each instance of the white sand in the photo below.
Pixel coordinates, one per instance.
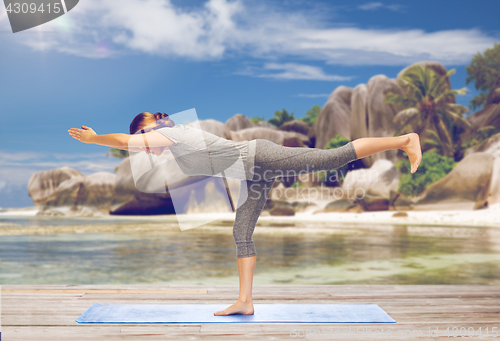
(488, 217)
(23, 211)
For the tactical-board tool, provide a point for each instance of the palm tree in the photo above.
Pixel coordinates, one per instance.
(281, 117)
(427, 106)
(118, 153)
(256, 120)
(311, 115)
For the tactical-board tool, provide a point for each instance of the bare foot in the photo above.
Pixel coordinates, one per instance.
(414, 151)
(240, 308)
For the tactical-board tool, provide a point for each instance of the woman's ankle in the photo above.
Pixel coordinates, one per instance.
(245, 299)
(405, 142)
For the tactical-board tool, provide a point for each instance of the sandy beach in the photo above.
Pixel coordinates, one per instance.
(487, 217)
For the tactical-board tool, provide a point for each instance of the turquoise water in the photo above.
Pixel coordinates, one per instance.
(286, 254)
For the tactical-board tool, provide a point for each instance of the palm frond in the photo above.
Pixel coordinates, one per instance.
(404, 116)
(398, 99)
(432, 142)
(443, 134)
(442, 97)
(440, 82)
(457, 109)
(413, 124)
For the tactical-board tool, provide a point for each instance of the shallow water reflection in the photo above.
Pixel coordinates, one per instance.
(285, 255)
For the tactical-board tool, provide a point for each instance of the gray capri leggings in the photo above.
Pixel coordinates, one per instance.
(271, 161)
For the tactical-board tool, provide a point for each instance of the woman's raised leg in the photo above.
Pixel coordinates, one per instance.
(410, 143)
(273, 160)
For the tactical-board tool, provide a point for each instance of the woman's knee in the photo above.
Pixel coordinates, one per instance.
(244, 250)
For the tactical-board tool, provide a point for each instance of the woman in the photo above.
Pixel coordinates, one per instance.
(263, 162)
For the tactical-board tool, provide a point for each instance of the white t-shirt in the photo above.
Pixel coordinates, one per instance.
(198, 152)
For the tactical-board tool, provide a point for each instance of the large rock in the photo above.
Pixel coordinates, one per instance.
(335, 117)
(297, 126)
(378, 180)
(381, 114)
(362, 112)
(89, 195)
(164, 189)
(265, 124)
(312, 137)
(373, 203)
(43, 184)
(212, 197)
(398, 201)
(309, 179)
(494, 192)
(491, 146)
(215, 127)
(239, 122)
(465, 187)
(359, 112)
(341, 205)
(284, 138)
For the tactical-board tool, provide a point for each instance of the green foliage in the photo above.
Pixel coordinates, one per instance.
(483, 70)
(337, 141)
(337, 175)
(427, 106)
(311, 115)
(256, 120)
(432, 168)
(118, 153)
(281, 117)
(479, 136)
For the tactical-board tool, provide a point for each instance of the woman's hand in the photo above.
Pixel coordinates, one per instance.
(85, 135)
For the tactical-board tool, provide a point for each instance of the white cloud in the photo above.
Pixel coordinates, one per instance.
(19, 156)
(290, 71)
(299, 71)
(395, 7)
(149, 26)
(372, 6)
(222, 28)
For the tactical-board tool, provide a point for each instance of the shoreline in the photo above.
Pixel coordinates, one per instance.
(301, 221)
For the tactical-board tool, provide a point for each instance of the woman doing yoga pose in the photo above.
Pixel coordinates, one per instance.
(263, 161)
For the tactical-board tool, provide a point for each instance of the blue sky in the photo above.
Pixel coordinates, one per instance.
(100, 65)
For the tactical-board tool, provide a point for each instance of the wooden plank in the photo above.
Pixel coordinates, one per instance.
(48, 312)
(103, 291)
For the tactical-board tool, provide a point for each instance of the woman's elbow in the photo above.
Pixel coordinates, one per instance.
(123, 141)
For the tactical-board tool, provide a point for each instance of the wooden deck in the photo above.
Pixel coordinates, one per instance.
(48, 312)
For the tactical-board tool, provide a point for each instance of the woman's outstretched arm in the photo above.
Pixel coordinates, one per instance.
(88, 135)
(135, 142)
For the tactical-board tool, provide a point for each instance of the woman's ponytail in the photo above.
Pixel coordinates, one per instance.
(163, 120)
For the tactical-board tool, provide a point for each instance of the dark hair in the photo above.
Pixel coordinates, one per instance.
(145, 118)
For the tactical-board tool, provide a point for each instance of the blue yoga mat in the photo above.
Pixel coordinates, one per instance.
(263, 313)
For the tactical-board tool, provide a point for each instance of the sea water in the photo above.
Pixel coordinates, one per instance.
(136, 250)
